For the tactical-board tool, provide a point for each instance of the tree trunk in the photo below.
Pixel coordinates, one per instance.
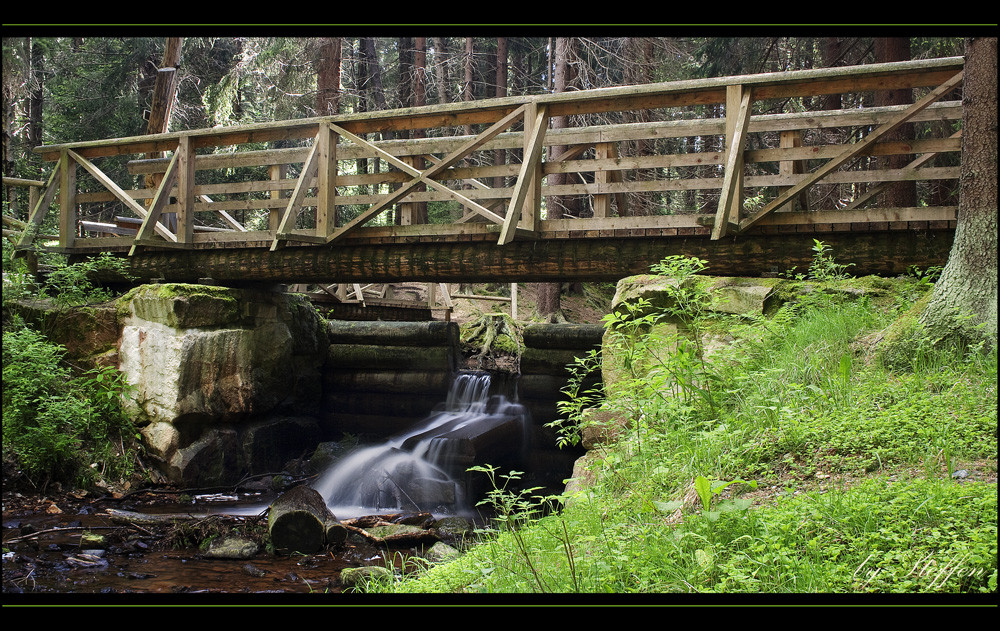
(441, 69)
(328, 77)
(467, 84)
(299, 521)
(548, 303)
(419, 99)
(36, 99)
(968, 284)
(500, 155)
(899, 194)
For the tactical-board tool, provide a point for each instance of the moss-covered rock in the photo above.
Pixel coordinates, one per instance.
(207, 361)
(905, 336)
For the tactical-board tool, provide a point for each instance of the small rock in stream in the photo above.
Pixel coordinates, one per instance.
(231, 548)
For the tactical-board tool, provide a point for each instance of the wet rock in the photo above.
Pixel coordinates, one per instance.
(210, 361)
(440, 552)
(92, 540)
(359, 577)
(231, 548)
(453, 528)
(395, 531)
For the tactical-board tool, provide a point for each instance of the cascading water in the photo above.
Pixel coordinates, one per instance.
(419, 470)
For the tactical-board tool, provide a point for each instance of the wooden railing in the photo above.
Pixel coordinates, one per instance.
(718, 157)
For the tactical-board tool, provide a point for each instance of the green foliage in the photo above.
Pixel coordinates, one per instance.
(72, 285)
(61, 423)
(59, 426)
(578, 399)
(821, 471)
(823, 266)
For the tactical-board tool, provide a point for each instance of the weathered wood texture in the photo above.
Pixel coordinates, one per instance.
(609, 259)
(332, 223)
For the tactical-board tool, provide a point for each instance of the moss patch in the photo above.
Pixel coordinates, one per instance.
(182, 305)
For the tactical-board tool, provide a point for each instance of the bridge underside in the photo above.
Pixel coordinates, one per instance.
(608, 259)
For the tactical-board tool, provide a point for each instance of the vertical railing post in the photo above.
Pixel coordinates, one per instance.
(67, 200)
(276, 172)
(789, 139)
(531, 215)
(737, 123)
(185, 190)
(326, 180)
(407, 210)
(734, 96)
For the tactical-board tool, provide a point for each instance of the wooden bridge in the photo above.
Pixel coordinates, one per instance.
(492, 191)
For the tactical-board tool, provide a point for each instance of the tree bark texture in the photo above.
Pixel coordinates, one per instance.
(299, 521)
(899, 194)
(968, 283)
(540, 261)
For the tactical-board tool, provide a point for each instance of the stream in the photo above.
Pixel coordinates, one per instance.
(45, 552)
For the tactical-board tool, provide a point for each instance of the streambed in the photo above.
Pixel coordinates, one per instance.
(43, 553)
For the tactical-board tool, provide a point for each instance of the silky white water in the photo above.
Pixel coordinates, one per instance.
(409, 472)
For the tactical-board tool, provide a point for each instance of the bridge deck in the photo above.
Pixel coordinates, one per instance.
(494, 190)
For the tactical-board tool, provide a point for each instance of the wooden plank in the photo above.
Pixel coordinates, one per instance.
(792, 139)
(738, 103)
(855, 150)
(528, 173)
(67, 203)
(291, 208)
(185, 190)
(148, 227)
(326, 157)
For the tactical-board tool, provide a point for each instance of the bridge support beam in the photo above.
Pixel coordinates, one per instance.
(542, 260)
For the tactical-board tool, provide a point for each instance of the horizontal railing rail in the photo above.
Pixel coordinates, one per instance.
(715, 157)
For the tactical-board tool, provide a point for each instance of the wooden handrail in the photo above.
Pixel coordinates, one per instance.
(904, 74)
(347, 203)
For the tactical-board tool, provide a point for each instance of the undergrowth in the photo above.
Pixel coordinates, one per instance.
(61, 422)
(792, 461)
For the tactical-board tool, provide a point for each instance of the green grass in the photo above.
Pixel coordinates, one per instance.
(852, 462)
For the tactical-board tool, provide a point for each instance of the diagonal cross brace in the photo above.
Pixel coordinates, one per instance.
(39, 211)
(117, 191)
(532, 155)
(734, 167)
(426, 176)
(150, 223)
(855, 150)
(301, 186)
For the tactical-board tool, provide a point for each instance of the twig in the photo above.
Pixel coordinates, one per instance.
(60, 529)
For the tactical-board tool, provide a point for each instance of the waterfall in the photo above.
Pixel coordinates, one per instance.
(421, 469)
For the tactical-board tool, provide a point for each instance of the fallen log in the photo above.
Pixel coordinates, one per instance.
(132, 518)
(299, 521)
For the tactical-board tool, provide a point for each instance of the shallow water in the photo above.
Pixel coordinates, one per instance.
(132, 563)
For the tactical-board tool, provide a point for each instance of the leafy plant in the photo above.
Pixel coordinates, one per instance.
(708, 489)
(73, 285)
(823, 266)
(57, 424)
(579, 398)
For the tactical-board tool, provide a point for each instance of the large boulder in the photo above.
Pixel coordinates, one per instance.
(221, 375)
